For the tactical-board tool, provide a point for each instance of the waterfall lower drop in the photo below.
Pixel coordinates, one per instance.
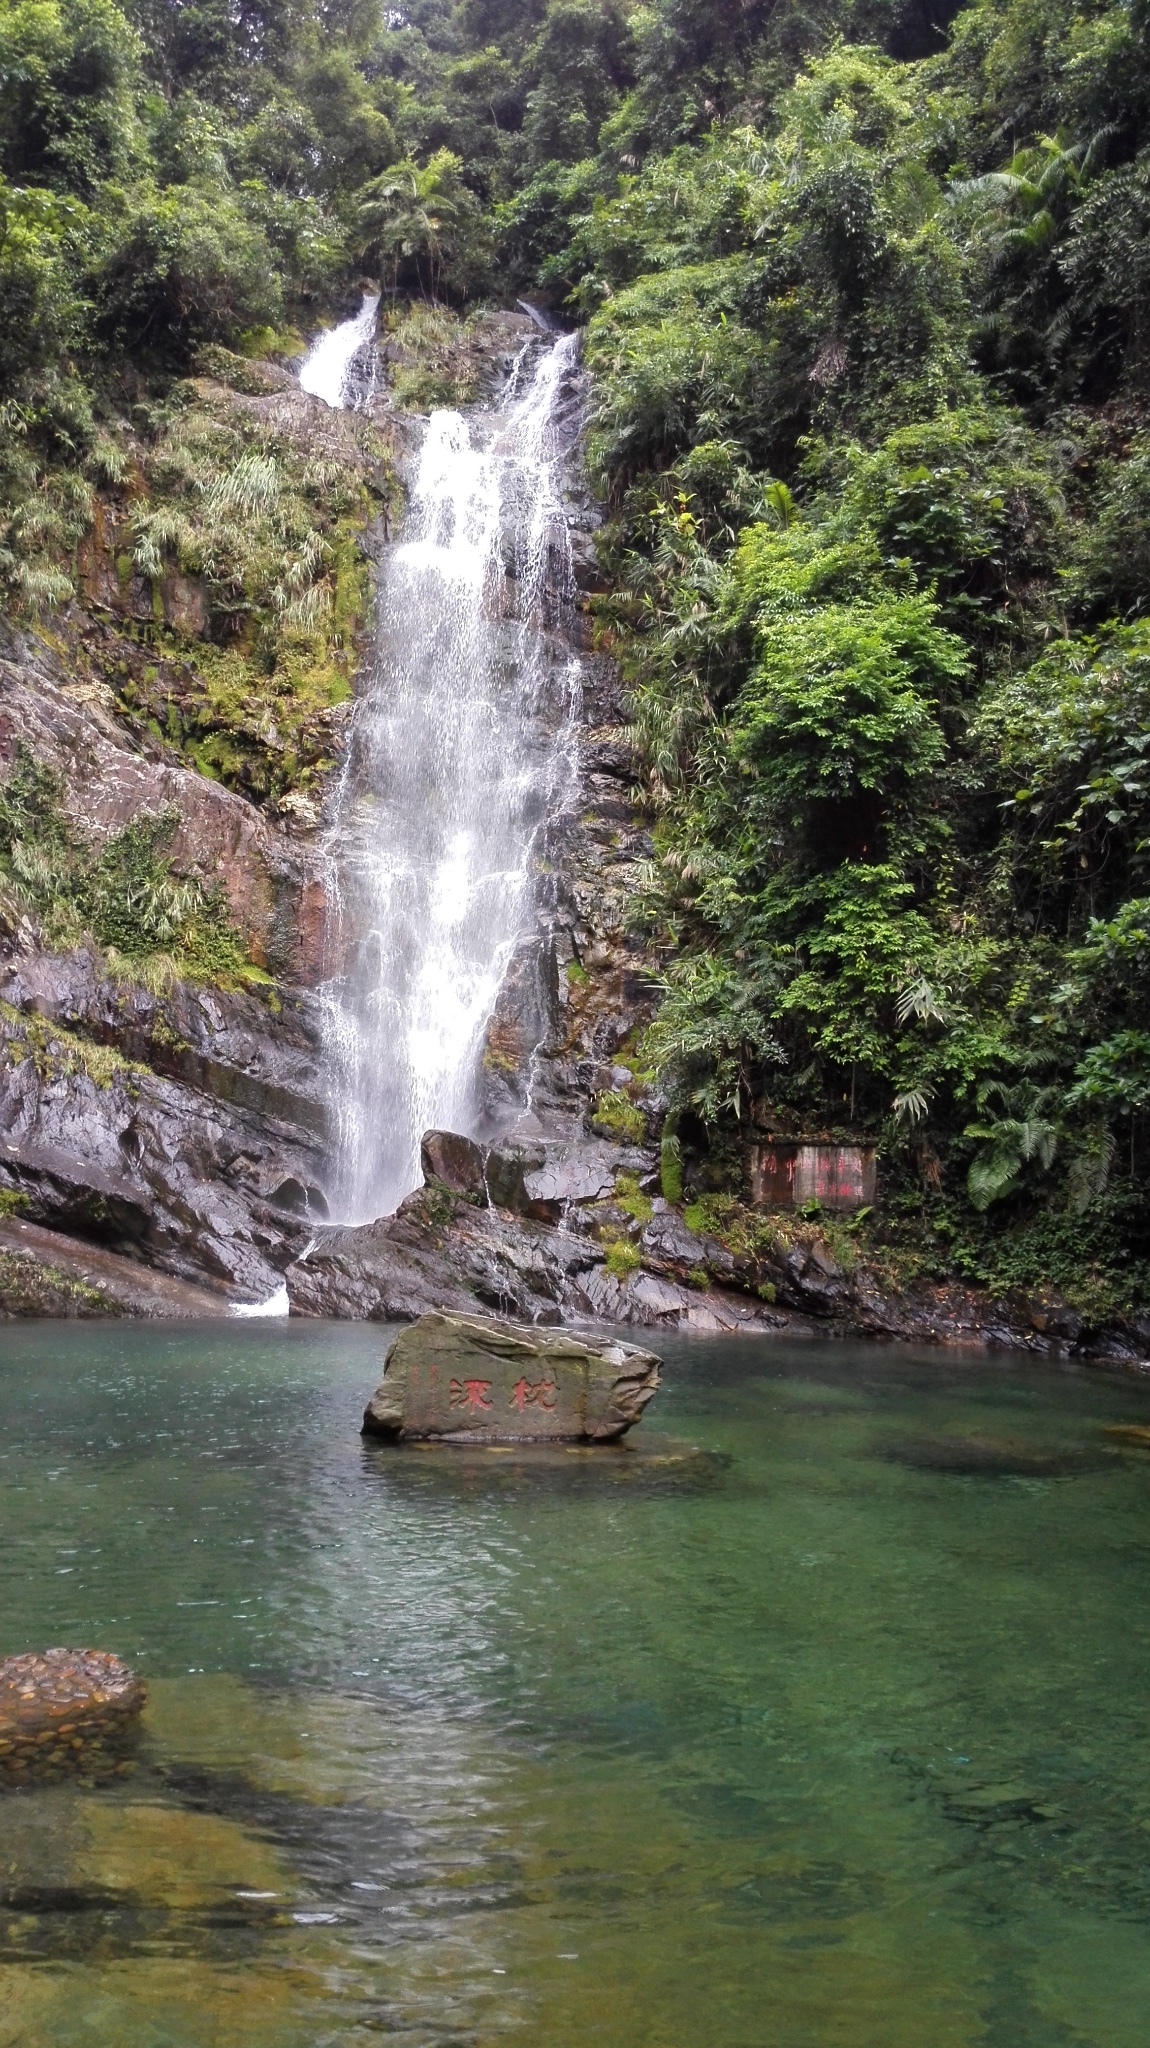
(459, 753)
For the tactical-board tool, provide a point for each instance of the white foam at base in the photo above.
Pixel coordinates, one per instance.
(277, 1304)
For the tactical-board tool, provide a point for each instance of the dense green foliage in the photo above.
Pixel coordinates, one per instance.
(867, 295)
(872, 425)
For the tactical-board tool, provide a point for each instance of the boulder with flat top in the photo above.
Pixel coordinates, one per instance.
(472, 1379)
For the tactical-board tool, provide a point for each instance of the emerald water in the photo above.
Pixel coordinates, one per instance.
(817, 1716)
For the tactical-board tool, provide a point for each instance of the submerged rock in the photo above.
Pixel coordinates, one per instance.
(992, 1457)
(1134, 1436)
(469, 1379)
(62, 1708)
(984, 1806)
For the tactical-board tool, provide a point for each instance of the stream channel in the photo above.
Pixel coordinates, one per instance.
(828, 1732)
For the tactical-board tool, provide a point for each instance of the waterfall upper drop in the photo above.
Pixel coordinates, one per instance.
(329, 369)
(460, 751)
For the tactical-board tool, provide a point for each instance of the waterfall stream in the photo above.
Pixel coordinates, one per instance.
(329, 370)
(460, 750)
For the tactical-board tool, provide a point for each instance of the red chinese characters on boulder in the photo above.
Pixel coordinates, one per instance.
(472, 1395)
(535, 1394)
(476, 1380)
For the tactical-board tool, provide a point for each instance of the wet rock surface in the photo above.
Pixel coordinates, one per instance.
(187, 1131)
(63, 1710)
(456, 1162)
(453, 1253)
(462, 1251)
(467, 1379)
(43, 1273)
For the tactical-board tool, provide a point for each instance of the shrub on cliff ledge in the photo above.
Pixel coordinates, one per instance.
(152, 924)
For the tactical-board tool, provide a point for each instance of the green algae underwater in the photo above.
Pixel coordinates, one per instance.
(815, 1715)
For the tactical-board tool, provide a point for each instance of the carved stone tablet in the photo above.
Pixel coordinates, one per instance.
(471, 1379)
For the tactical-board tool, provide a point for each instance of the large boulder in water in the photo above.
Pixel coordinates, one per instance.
(471, 1379)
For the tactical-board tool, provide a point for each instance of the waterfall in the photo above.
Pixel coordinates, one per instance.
(329, 369)
(459, 752)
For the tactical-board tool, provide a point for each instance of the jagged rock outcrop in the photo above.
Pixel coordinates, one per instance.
(466, 1251)
(184, 1130)
(636, 1260)
(43, 1273)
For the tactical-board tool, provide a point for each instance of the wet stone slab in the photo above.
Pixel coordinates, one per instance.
(472, 1379)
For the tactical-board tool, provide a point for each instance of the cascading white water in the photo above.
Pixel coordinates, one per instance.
(328, 369)
(459, 750)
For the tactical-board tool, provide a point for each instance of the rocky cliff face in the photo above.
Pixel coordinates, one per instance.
(168, 1152)
(186, 1131)
(110, 775)
(183, 1130)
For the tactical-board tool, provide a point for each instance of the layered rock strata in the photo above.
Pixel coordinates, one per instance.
(185, 1131)
(45, 1273)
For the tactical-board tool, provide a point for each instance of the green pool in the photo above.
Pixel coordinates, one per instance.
(819, 1716)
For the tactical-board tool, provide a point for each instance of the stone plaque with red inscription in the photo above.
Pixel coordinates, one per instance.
(470, 1379)
(786, 1175)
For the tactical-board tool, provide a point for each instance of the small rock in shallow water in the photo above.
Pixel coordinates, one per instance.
(470, 1379)
(985, 1805)
(61, 1708)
